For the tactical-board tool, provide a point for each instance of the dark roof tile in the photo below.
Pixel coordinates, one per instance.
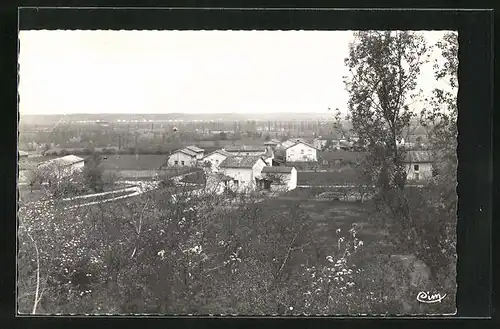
(240, 162)
(277, 169)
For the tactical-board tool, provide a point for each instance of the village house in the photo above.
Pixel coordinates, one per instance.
(199, 152)
(335, 139)
(183, 157)
(301, 152)
(279, 178)
(216, 158)
(62, 167)
(291, 142)
(264, 151)
(418, 165)
(245, 171)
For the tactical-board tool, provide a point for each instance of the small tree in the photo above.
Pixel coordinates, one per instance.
(93, 173)
(328, 145)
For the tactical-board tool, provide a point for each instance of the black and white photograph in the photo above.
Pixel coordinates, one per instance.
(232, 172)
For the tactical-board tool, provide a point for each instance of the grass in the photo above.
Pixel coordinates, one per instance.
(327, 217)
(346, 176)
(131, 162)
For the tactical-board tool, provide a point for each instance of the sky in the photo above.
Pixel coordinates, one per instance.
(63, 72)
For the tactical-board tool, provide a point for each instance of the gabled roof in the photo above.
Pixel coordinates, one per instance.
(305, 143)
(194, 149)
(275, 141)
(270, 143)
(419, 157)
(222, 152)
(287, 143)
(185, 151)
(244, 148)
(67, 160)
(240, 162)
(277, 169)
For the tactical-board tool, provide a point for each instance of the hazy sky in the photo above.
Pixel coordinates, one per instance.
(185, 71)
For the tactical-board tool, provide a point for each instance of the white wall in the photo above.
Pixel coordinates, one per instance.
(245, 176)
(292, 183)
(179, 156)
(257, 169)
(424, 171)
(294, 153)
(215, 159)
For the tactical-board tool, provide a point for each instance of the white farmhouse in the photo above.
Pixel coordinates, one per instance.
(418, 165)
(62, 167)
(215, 158)
(279, 178)
(301, 152)
(182, 158)
(245, 171)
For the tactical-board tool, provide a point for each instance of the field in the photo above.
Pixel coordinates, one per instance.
(328, 216)
(346, 176)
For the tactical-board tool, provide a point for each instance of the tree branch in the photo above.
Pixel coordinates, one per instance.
(289, 250)
(37, 297)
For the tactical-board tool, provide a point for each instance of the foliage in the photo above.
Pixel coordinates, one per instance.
(384, 69)
(223, 136)
(440, 198)
(192, 253)
(93, 174)
(421, 221)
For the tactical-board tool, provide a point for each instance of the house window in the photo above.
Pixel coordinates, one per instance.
(236, 182)
(182, 163)
(217, 161)
(417, 176)
(176, 162)
(415, 167)
(301, 151)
